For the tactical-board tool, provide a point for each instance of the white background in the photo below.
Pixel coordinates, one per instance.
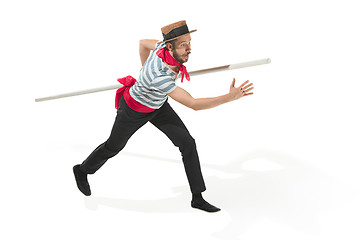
(282, 164)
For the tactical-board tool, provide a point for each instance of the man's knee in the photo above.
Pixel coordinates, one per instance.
(187, 143)
(112, 150)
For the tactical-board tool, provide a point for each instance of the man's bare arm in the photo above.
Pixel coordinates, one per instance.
(145, 46)
(182, 96)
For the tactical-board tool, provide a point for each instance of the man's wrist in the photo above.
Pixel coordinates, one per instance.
(229, 97)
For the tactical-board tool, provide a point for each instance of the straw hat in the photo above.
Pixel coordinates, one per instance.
(175, 30)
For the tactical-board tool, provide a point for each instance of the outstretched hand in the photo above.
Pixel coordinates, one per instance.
(239, 92)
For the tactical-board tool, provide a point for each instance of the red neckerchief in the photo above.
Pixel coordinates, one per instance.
(164, 54)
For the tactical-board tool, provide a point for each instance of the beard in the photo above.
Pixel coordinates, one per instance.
(178, 56)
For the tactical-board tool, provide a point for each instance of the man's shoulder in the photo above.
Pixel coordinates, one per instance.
(155, 66)
(159, 45)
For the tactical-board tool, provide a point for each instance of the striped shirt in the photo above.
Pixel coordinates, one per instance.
(156, 80)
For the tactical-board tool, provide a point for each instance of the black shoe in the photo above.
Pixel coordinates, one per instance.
(81, 181)
(205, 206)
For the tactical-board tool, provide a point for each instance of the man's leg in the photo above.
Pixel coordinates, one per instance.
(170, 123)
(127, 122)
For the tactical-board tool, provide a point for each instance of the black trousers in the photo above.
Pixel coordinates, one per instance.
(128, 121)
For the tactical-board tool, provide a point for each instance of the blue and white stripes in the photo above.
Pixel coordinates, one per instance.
(156, 80)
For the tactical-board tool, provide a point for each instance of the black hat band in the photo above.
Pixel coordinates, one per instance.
(176, 32)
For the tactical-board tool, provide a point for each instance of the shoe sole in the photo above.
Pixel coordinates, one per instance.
(198, 207)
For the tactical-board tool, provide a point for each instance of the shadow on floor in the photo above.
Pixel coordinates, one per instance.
(287, 191)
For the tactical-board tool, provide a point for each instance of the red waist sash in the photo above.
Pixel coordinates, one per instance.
(127, 83)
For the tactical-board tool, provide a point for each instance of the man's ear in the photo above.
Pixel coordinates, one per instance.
(169, 46)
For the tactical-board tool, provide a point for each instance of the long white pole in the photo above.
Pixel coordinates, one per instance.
(192, 73)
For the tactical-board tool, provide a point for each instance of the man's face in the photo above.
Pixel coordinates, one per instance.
(182, 49)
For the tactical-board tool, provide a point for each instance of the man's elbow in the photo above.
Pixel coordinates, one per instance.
(195, 106)
(195, 109)
(148, 44)
(141, 43)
